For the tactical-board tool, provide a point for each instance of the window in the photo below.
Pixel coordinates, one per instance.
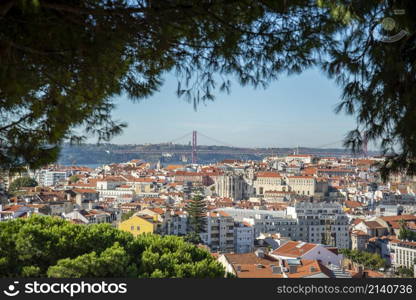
(138, 228)
(132, 228)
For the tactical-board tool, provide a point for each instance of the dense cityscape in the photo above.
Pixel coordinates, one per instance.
(207, 142)
(291, 216)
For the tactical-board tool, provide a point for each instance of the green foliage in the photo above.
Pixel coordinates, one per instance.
(376, 73)
(170, 256)
(112, 262)
(371, 261)
(127, 215)
(30, 271)
(405, 272)
(193, 238)
(46, 246)
(197, 209)
(22, 182)
(63, 64)
(405, 233)
(73, 179)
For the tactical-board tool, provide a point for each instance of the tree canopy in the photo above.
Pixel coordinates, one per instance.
(127, 215)
(372, 261)
(22, 182)
(405, 272)
(405, 233)
(73, 179)
(52, 247)
(63, 63)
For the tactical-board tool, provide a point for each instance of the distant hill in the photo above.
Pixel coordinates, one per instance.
(112, 153)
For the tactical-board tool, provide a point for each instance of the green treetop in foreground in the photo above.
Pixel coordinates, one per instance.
(51, 247)
(63, 64)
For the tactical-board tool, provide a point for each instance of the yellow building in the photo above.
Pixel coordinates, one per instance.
(139, 224)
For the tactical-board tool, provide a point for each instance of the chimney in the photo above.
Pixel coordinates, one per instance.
(260, 253)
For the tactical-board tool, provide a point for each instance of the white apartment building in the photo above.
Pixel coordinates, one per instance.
(287, 227)
(267, 221)
(402, 253)
(323, 222)
(50, 178)
(177, 224)
(243, 237)
(239, 214)
(219, 234)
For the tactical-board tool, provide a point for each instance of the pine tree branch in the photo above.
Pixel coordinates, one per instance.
(5, 7)
(15, 122)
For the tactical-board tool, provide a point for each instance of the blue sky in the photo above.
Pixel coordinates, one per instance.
(295, 110)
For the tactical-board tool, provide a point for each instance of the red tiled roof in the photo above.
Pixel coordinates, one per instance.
(359, 232)
(353, 204)
(218, 213)
(268, 174)
(398, 218)
(302, 177)
(373, 224)
(294, 249)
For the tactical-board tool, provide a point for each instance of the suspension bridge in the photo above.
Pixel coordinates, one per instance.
(187, 145)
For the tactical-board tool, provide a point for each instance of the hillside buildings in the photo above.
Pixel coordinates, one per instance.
(316, 206)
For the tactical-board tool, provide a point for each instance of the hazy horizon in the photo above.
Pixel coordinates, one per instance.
(296, 110)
